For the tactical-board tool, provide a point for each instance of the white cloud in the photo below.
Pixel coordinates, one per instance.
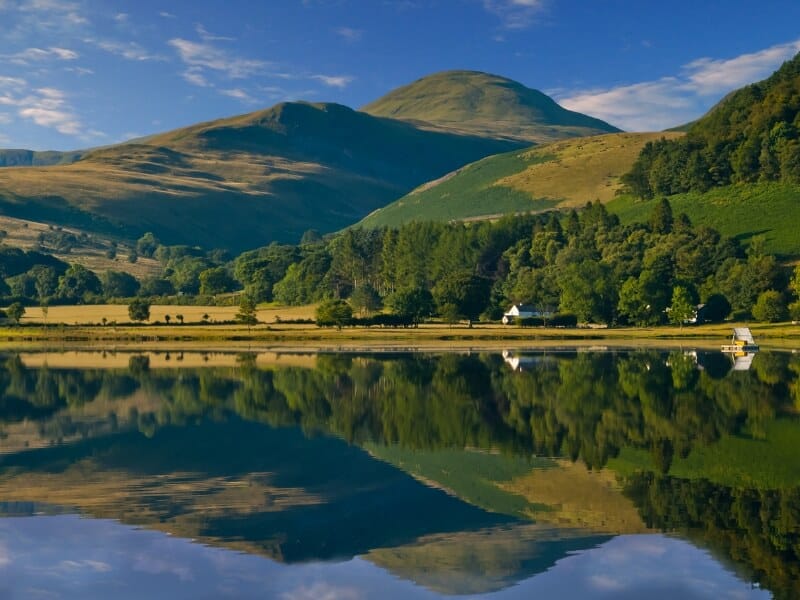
(322, 591)
(16, 82)
(127, 50)
(48, 107)
(337, 81)
(194, 75)
(239, 94)
(515, 14)
(122, 17)
(204, 55)
(349, 34)
(5, 119)
(210, 37)
(30, 55)
(669, 101)
(166, 15)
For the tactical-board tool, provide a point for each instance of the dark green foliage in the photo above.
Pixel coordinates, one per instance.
(15, 312)
(156, 286)
(78, 284)
(365, 299)
(139, 310)
(147, 245)
(216, 280)
(119, 285)
(466, 295)
(334, 313)
(414, 304)
(247, 312)
(752, 135)
(771, 307)
(14, 261)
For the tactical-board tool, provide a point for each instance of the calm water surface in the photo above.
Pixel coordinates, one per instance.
(568, 474)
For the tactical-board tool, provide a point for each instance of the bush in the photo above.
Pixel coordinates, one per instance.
(771, 307)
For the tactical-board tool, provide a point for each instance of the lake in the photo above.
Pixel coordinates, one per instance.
(568, 473)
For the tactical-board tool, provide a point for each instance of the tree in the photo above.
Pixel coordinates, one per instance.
(413, 304)
(180, 319)
(467, 292)
(139, 310)
(333, 312)
(215, 280)
(117, 284)
(147, 245)
(167, 319)
(15, 312)
(682, 307)
(661, 219)
(247, 312)
(79, 284)
(771, 307)
(365, 299)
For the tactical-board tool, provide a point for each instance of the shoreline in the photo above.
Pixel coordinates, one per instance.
(433, 337)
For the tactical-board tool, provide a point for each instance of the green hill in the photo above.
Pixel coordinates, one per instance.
(559, 175)
(246, 181)
(485, 104)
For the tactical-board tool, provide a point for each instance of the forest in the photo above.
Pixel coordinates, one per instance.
(579, 266)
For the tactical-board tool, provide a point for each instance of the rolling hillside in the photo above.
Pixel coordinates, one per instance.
(487, 105)
(243, 182)
(560, 175)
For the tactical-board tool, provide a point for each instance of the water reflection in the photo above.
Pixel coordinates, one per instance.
(464, 474)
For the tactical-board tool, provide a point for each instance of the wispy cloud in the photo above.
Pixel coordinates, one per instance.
(210, 37)
(206, 56)
(44, 106)
(350, 35)
(337, 81)
(127, 50)
(166, 15)
(515, 14)
(30, 55)
(672, 100)
(239, 94)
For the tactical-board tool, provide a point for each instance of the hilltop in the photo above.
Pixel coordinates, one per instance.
(487, 105)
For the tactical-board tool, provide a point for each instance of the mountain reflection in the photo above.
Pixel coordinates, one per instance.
(463, 473)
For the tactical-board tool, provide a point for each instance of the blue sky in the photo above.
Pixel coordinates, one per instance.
(80, 73)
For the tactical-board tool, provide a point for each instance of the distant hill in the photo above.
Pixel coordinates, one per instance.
(560, 175)
(243, 182)
(31, 158)
(487, 105)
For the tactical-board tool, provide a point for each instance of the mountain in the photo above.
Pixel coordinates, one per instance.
(245, 181)
(488, 105)
(31, 158)
(559, 175)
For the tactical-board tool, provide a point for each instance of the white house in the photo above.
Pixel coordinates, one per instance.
(520, 311)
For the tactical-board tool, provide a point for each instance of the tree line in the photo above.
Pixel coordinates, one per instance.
(584, 264)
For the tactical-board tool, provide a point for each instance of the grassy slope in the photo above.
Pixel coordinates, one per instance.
(564, 174)
(742, 211)
(485, 104)
(243, 182)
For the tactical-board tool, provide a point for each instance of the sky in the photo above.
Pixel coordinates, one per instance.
(83, 73)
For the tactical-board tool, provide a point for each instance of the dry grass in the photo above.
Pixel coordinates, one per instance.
(584, 169)
(118, 313)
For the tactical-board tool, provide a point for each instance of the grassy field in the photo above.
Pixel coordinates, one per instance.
(560, 175)
(84, 324)
(118, 313)
(768, 209)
